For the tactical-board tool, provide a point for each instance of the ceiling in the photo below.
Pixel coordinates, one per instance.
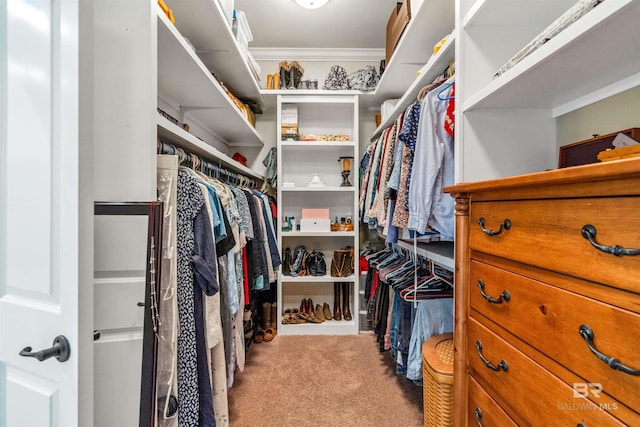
(339, 25)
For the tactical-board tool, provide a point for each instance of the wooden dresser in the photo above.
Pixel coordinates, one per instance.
(548, 275)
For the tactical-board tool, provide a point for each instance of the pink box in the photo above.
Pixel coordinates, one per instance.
(315, 213)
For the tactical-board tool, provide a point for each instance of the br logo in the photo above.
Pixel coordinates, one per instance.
(582, 390)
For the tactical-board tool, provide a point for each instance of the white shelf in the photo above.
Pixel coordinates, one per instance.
(185, 80)
(169, 132)
(492, 12)
(317, 279)
(328, 327)
(428, 25)
(307, 144)
(594, 58)
(318, 189)
(442, 253)
(318, 233)
(270, 95)
(428, 73)
(204, 24)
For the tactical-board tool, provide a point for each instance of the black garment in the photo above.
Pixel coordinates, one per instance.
(382, 312)
(225, 245)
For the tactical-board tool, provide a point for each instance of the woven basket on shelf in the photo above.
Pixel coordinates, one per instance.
(437, 378)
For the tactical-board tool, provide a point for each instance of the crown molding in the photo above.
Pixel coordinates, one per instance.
(317, 54)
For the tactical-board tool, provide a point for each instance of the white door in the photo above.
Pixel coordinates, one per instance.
(40, 213)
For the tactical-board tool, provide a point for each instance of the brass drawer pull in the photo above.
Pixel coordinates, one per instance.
(587, 334)
(504, 296)
(589, 233)
(502, 365)
(478, 413)
(506, 224)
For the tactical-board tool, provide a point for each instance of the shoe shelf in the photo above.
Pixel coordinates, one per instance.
(318, 113)
(318, 233)
(204, 24)
(311, 145)
(318, 279)
(328, 327)
(188, 86)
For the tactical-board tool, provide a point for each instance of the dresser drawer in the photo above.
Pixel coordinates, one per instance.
(548, 234)
(483, 410)
(549, 319)
(527, 392)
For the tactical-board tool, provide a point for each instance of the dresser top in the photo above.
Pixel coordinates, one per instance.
(619, 170)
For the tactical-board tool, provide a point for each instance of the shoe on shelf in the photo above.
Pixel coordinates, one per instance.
(286, 316)
(346, 311)
(318, 313)
(310, 307)
(337, 314)
(326, 312)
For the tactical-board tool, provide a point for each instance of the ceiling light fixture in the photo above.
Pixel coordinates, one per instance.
(312, 4)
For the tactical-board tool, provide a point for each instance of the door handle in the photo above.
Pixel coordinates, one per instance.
(60, 349)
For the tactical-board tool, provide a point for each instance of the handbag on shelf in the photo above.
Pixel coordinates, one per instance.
(342, 262)
(287, 262)
(365, 79)
(296, 260)
(317, 264)
(337, 79)
(304, 265)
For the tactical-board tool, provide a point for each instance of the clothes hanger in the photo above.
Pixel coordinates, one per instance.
(445, 87)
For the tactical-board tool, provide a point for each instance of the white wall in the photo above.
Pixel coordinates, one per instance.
(607, 116)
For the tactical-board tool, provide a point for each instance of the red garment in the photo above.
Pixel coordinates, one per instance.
(364, 264)
(246, 276)
(450, 115)
(374, 284)
(274, 209)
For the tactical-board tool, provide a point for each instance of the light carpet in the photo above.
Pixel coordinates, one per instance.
(322, 381)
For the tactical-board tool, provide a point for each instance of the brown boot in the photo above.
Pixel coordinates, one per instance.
(274, 315)
(337, 314)
(266, 315)
(345, 302)
(326, 312)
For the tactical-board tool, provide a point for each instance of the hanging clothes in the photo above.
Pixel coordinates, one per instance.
(221, 248)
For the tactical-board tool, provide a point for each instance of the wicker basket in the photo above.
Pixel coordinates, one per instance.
(437, 378)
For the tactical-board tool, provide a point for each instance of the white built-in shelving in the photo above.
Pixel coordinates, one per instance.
(431, 21)
(319, 113)
(427, 74)
(173, 134)
(440, 253)
(204, 23)
(506, 125)
(185, 83)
